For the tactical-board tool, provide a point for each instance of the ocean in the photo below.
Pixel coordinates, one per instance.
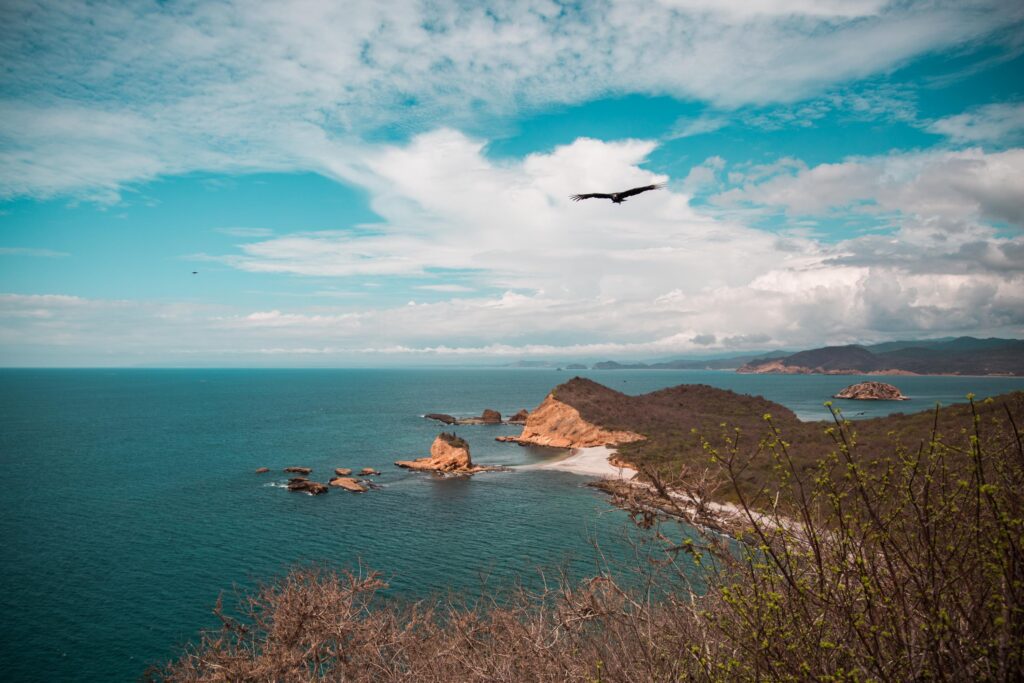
(129, 499)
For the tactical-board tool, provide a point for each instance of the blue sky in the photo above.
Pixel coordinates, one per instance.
(360, 185)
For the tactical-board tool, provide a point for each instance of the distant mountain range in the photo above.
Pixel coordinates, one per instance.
(960, 356)
(728, 363)
(947, 356)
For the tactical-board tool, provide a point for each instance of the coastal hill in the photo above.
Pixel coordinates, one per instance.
(963, 356)
(959, 356)
(673, 420)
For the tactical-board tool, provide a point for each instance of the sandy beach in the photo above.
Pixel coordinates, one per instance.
(592, 462)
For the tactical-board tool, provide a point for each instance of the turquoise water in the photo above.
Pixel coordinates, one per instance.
(129, 499)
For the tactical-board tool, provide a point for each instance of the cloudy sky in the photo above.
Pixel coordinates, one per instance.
(376, 183)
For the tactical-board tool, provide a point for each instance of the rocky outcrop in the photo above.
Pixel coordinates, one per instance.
(488, 417)
(871, 391)
(298, 470)
(368, 471)
(313, 488)
(349, 484)
(519, 418)
(560, 425)
(342, 471)
(449, 454)
(262, 470)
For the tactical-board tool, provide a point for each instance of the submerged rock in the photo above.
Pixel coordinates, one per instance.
(262, 470)
(298, 470)
(871, 391)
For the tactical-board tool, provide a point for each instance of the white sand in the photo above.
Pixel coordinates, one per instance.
(591, 462)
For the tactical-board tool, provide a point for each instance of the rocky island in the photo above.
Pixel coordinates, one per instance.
(449, 454)
(871, 391)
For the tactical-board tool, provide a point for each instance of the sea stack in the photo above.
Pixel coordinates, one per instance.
(871, 391)
(449, 454)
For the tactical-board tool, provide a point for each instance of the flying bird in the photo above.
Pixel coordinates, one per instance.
(617, 197)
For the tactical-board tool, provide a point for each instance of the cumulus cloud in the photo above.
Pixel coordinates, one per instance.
(100, 94)
(652, 277)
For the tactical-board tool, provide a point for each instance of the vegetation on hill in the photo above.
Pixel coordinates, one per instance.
(962, 356)
(888, 550)
(678, 419)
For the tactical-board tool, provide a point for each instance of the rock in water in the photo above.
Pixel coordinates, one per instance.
(449, 454)
(488, 417)
(871, 391)
(520, 417)
(298, 470)
(313, 488)
(368, 471)
(348, 484)
(262, 470)
(342, 471)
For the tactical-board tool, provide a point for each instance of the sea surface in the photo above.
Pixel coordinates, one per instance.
(129, 502)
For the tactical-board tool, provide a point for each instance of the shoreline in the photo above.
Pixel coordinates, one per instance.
(592, 462)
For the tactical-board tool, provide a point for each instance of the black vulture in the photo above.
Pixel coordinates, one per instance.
(617, 197)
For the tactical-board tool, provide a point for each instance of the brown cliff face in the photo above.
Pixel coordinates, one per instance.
(560, 425)
(449, 454)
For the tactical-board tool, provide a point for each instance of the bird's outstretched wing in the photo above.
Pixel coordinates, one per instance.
(592, 195)
(638, 190)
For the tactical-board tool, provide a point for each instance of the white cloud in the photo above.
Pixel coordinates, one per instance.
(451, 288)
(947, 190)
(246, 232)
(100, 94)
(651, 277)
(31, 251)
(998, 123)
(689, 126)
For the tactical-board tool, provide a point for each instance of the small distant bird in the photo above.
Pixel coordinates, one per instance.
(617, 197)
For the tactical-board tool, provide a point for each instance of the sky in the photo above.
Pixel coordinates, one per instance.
(301, 183)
